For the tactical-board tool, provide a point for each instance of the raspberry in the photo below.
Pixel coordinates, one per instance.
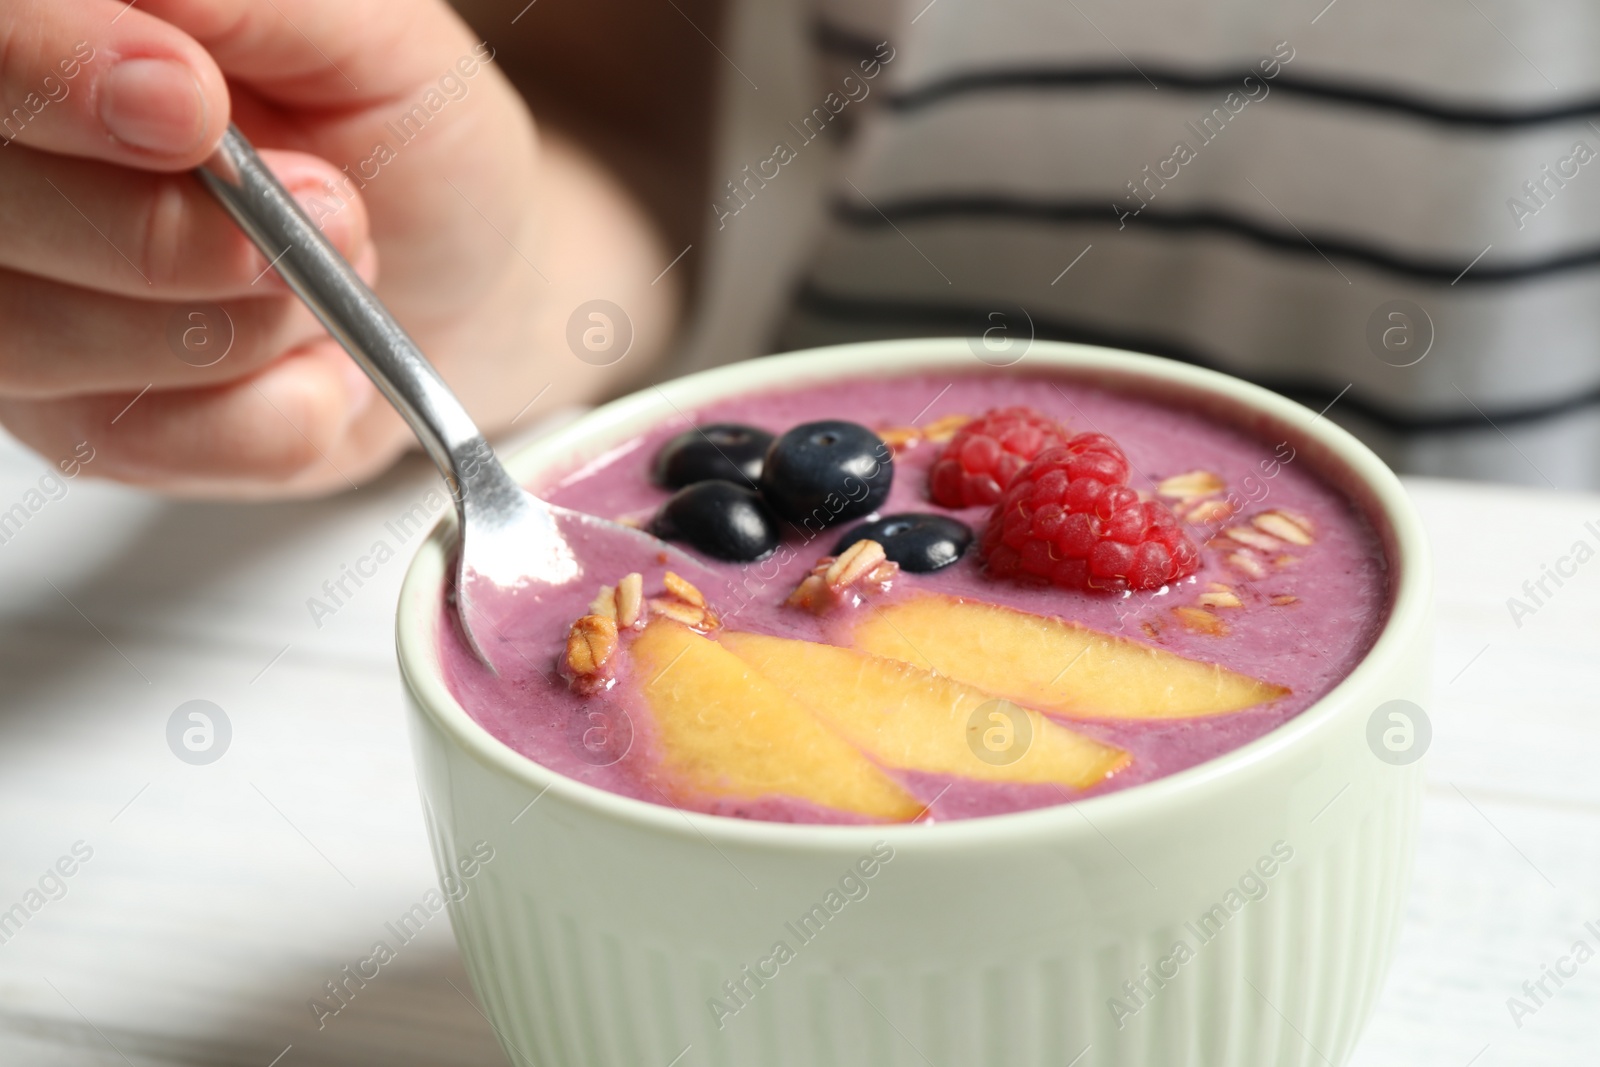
(985, 455)
(1070, 519)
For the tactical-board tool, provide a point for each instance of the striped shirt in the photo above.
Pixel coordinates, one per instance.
(1386, 208)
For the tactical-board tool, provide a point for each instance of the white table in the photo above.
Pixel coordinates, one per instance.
(219, 898)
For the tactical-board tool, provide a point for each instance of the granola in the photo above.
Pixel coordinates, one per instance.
(842, 579)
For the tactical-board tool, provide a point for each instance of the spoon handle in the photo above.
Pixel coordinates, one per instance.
(356, 318)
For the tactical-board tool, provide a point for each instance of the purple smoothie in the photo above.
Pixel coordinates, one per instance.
(1304, 625)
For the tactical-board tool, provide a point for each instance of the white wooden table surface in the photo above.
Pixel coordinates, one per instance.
(219, 898)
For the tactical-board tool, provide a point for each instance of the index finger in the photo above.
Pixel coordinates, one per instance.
(318, 54)
(107, 81)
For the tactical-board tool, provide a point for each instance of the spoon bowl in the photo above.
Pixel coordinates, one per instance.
(508, 537)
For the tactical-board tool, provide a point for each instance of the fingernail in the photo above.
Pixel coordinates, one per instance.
(153, 104)
(328, 212)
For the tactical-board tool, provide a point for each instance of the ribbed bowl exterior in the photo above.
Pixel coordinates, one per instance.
(593, 943)
(1238, 914)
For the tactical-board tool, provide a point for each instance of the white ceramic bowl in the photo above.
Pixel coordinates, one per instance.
(606, 931)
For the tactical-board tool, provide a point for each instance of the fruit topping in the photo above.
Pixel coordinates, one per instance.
(908, 718)
(725, 729)
(1051, 664)
(839, 580)
(592, 639)
(724, 451)
(919, 542)
(1070, 518)
(986, 454)
(720, 519)
(820, 473)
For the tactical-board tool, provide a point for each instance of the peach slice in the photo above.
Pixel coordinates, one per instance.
(910, 719)
(1053, 665)
(728, 731)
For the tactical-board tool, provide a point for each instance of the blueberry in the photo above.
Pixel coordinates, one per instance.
(821, 472)
(718, 450)
(918, 541)
(720, 519)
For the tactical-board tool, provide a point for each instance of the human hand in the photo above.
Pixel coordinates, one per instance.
(119, 277)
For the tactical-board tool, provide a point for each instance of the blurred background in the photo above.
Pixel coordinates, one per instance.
(1382, 210)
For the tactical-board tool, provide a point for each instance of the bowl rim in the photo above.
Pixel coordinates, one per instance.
(1409, 611)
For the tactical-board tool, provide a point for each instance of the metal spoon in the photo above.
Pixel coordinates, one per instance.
(508, 536)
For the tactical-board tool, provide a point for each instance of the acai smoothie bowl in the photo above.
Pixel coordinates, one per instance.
(1016, 712)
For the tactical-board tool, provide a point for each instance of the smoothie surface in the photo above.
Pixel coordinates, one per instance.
(1306, 616)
